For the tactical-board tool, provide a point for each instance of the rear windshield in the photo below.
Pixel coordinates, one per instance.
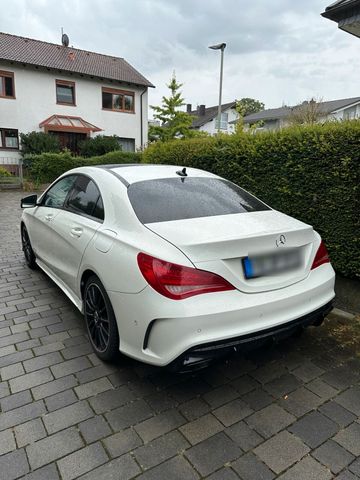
(168, 199)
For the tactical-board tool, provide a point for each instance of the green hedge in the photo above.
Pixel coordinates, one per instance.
(46, 167)
(99, 145)
(311, 173)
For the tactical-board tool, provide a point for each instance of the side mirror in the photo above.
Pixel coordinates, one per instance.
(29, 202)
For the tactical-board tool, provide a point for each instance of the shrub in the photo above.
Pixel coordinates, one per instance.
(99, 145)
(38, 142)
(115, 157)
(310, 172)
(4, 172)
(47, 167)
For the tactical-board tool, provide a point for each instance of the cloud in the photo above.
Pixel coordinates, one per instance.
(281, 51)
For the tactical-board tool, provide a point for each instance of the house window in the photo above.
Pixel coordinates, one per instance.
(118, 100)
(65, 92)
(127, 144)
(223, 122)
(9, 138)
(7, 88)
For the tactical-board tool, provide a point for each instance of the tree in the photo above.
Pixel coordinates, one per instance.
(246, 106)
(173, 122)
(308, 112)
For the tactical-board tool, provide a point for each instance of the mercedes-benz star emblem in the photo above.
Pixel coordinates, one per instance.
(281, 240)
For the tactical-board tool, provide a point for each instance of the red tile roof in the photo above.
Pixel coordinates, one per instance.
(68, 59)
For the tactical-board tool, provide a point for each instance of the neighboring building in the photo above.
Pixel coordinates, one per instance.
(276, 118)
(70, 93)
(347, 15)
(271, 119)
(205, 119)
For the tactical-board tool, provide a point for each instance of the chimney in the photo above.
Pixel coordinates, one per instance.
(201, 110)
(188, 108)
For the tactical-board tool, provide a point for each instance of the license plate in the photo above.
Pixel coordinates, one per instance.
(271, 264)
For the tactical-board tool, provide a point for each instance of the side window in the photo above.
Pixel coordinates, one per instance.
(99, 209)
(85, 198)
(55, 197)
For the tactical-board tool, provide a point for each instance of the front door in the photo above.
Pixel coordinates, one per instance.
(41, 227)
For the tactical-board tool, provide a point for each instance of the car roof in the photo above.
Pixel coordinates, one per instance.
(132, 173)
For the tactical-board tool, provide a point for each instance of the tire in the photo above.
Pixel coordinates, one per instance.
(29, 254)
(100, 320)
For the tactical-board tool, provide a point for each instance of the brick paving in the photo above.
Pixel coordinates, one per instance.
(290, 411)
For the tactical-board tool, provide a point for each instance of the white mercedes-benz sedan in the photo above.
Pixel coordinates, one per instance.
(174, 266)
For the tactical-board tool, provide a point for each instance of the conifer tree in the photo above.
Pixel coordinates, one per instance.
(174, 123)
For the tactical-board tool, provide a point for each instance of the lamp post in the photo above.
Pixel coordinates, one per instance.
(220, 46)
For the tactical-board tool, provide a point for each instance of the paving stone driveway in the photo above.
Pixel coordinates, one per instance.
(290, 412)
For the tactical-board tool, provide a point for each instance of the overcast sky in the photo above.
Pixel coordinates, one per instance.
(279, 52)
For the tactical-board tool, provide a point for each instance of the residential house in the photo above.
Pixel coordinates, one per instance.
(205, 118)
(70, 93)
(347, 15)
(276, 118)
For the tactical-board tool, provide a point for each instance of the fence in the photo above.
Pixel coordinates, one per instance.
(15, 167)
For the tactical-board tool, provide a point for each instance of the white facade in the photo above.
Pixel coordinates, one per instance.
(211, 126)
(35, 101)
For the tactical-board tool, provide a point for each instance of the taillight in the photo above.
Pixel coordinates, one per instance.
(178, 282)
(321, 256)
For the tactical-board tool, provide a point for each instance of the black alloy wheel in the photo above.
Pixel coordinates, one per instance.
(100, 320)
(29, 254)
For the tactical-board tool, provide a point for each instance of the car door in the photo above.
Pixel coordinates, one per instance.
(74, 227)
(40, 222)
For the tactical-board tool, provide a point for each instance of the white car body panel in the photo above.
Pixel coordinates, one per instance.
(212, 317)
(134, 174)
(216, 244)
(39, 224)
(71, 235)
(232, 237)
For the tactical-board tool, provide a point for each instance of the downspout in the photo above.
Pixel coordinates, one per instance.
(141, 119)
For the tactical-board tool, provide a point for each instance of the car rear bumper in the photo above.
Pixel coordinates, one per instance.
(202, 355)
(160, 331)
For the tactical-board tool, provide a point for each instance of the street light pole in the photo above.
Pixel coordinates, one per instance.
(220, 46)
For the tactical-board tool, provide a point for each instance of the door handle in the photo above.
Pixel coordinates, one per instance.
(76, 231)
(49, 217)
